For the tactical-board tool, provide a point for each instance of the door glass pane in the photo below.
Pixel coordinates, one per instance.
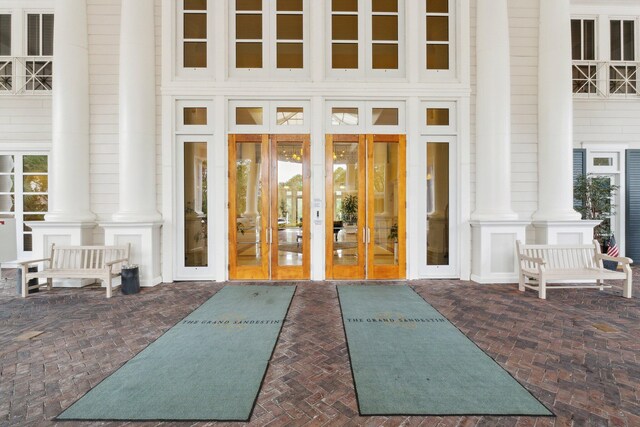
(344, 116)
(7, 185)
(385, 116)
(616, 53)
(47, 35)
(437, 56)
(437, 117)
(248, 4)
(629, 45)
(344, 5)
(290, 116)
(437, 28)
(195, 115)
(589, 40)
(248, 55)
(249, 115)
(385, 27)
(195, 204)
(385, 203)
(195, 25)
(437, 6)
(345, 203)
(344, 27)
(437, 203)
(290, 55)
(33, 35)
(290, 214)
(385, 6)
(576, 39)
(385, 56)
(248, 204)
(195, 54)
(289, 5)
(289, 27)
(195, 4)
(249, 27)
(35, 164)
(5, 35)
(344, 55)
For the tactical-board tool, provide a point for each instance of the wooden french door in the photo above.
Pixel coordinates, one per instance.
(269, 193)
(366, 211)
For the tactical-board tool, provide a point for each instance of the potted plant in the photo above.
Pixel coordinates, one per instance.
(593, 199)
(349, 209)
(393, 236)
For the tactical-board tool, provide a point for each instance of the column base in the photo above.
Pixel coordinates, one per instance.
(568, 232)
(493, 250)
(144, 238)
(46, 233)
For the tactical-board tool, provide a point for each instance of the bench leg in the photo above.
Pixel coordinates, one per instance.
(627, 287)
(108, 286)
(521, 280)
(542, 289)
(25, 291)
(49, 283)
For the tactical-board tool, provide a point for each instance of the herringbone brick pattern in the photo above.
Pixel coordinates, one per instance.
(578, 351)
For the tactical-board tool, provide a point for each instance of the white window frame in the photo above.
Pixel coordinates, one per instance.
(451, 129)
(269, 109)
(183, 272)
(451, 72)
(19, 193)
(194, 129)
(269, 49)
(365, 45)
(452, 269)
(189, 72)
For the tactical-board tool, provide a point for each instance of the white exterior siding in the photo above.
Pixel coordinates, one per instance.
(607, 121)
(25, 123)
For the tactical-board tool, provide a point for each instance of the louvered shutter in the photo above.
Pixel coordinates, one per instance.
(632, 232)
(579, 168)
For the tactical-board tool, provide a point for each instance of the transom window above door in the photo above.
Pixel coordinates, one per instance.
(268, 38)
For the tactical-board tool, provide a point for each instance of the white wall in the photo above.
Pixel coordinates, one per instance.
(25, 123)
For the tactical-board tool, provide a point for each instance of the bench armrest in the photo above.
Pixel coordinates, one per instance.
(620, 259)
(531, 259)
(33, 261)
(110, 263)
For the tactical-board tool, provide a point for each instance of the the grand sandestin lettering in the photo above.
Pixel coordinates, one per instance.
(395, 320)
(231, 322)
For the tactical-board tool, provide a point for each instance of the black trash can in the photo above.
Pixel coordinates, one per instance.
(130, 280)
(31, 282)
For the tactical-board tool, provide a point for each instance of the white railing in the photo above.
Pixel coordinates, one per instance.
(606, 79)
(26, 74)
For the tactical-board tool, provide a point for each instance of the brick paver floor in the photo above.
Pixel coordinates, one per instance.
(578, 352)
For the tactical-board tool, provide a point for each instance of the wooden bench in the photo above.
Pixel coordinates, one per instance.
(540, 264)
(77, 262)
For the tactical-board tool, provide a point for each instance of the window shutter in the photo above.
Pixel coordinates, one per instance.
(579, 168)
(632, 232)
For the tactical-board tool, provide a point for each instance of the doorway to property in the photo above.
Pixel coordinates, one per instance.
(366, 206)
(269, 192)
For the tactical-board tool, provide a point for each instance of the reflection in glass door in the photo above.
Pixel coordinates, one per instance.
(268, 196)
(289, 201)
(437, 203)
(196, 252)
(365, 206)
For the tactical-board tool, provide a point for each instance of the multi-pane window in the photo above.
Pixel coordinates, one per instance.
(583, 49)
(384, 35)
(623, 77)
(24, 187)
(366, 35)
(6, 65)
(39, 68)
(194, 20)
(289, 34)
(249, 34)
(344, 34)
(268, 35)
(438, 35)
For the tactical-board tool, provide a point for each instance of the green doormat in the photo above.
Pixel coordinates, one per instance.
(407, 359)
(207, 367)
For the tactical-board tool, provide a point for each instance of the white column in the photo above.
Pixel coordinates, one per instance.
(137, 113)
(556, 222)
(138, 221)
(70, 220)
(493, 113)
(494, 223)
(555, 114)
(69, 162)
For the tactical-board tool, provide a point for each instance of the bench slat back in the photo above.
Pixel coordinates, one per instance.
(86, 257)
(561, 256)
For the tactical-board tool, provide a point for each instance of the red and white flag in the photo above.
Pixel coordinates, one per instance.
(613, 250)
